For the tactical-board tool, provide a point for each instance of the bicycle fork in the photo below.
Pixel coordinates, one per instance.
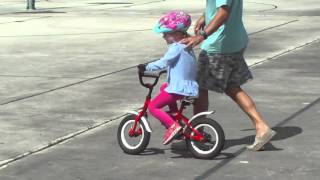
(133, 132)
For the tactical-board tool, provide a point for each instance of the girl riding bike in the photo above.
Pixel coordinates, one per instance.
(204, 136)
(181, 67)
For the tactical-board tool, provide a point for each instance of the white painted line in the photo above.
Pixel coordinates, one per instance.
(244, 162)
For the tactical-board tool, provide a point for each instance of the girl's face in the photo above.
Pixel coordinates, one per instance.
(172, 37)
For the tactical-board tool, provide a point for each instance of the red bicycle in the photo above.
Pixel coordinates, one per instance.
(204, 136)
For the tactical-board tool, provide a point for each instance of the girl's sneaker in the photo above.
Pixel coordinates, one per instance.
(170, 133)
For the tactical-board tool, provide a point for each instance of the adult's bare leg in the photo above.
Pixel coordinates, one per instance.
(202, 102)
(248, 106)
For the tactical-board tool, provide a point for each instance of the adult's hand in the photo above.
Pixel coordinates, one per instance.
(220, 18)
(199, 24)
(192, 41)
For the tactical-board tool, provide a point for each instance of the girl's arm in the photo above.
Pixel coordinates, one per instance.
(171, 56)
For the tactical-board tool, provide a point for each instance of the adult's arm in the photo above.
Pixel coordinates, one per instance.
(220, 18)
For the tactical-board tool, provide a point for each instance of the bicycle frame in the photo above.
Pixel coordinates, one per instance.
(178, 117)
(132, 131)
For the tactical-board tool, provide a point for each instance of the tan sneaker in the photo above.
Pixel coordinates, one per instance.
(259, 142)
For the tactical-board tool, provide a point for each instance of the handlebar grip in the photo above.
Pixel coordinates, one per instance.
(150, 74)
(153, 74)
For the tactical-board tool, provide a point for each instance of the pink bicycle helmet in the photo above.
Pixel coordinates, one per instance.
(173, 21)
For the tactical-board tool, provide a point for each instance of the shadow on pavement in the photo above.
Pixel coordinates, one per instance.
(282, 133)
(40, 12)
(180, 148)
(187, 154)
(152, 151)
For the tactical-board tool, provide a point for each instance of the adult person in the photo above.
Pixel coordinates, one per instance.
(222, 67)
(31, 4)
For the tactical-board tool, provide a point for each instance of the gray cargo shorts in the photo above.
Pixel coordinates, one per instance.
(217, 72)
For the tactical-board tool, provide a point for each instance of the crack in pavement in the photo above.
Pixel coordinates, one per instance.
(5, 163)
(285, 52)
(272, 27)
(77, 34)
(273, 6)
(47, 77)
(135, 30)
(90, 5)
(65, 86)
(24, 20)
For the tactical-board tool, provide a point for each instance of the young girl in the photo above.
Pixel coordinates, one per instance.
(181, 67)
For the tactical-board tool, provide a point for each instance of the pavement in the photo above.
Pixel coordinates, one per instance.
(68, 76)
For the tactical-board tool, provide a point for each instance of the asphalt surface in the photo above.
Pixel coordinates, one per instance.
(68, 76)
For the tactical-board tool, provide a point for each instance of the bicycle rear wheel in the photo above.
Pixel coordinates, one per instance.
(212, 132)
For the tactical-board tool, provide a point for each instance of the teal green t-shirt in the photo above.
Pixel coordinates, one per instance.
(231, 36)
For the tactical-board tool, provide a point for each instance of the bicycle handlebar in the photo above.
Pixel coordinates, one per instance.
(151, 74)
(154, 74)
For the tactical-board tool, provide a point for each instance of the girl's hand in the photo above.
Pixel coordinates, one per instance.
(192, 41)
(199, 24)
(141, 68)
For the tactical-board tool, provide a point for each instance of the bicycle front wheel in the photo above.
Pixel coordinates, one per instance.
(132, 144)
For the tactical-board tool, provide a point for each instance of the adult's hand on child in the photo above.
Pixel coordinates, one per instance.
(192, 41)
